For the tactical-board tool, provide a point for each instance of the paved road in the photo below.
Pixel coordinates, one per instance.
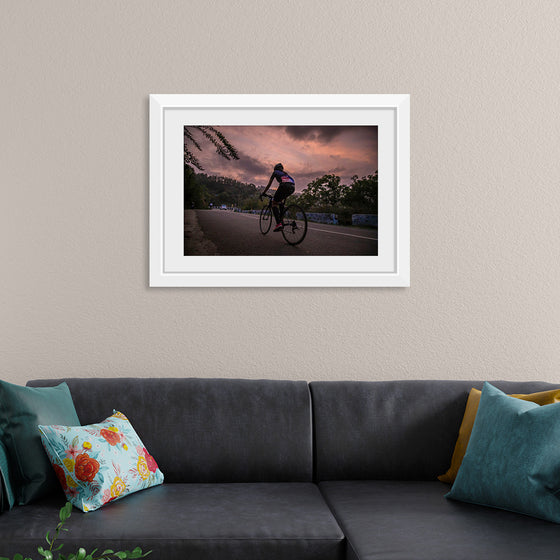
(235, 233)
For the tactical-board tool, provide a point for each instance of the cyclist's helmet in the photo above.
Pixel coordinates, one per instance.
(278, 166)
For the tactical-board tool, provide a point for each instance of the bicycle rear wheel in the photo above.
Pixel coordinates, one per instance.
(295, 224)
(265, 220)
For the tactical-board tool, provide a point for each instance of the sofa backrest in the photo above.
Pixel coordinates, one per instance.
(208, 430)
(401, 430)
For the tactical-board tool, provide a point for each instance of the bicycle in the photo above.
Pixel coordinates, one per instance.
(292, 216)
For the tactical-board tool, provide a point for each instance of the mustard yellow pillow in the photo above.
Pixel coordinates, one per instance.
(541, 398)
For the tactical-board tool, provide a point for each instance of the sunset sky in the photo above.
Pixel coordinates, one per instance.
(307, 152)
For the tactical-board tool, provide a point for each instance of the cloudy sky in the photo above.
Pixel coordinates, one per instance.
(307, 152)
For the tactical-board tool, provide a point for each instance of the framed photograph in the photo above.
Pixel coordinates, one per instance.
(279, 190)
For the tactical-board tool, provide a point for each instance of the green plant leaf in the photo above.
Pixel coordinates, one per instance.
(65, 512)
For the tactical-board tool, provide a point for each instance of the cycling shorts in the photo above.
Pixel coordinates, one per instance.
(283, 191)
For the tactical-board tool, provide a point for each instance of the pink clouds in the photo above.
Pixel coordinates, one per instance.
(307, 152)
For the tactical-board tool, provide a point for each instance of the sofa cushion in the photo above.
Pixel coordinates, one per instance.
(21, 410)
(513, 457)
(209, 430)
(410, 520)
(400, 430)
(100, 463)
(7, 496)
(276, 521)
(542, 398)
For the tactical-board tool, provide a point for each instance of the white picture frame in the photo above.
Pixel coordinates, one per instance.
(169, 267)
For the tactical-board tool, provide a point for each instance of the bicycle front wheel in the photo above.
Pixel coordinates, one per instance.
(265, 220)
(295, 224)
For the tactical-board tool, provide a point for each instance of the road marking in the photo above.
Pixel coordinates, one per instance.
(316, 229)
(247, 214)
(347, 234)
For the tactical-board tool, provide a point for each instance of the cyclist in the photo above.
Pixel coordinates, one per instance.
(286, 187)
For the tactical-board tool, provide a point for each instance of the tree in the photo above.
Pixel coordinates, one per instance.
(323, 191)
(194, 192)
(223, 147)
(203, 189)
(326, 194)
(362, 195)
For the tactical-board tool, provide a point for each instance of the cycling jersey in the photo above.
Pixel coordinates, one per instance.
(282, 177)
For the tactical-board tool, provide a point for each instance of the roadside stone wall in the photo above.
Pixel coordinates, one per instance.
(364, 220)
(322, 217)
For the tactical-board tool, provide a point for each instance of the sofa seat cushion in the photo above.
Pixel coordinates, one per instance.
(195, 521)
(411, 520)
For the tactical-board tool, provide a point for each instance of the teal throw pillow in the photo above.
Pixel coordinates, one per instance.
(513, 457)
(100, 463)
(7, 498)
(21, 410)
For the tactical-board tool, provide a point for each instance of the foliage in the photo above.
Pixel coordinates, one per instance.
(195, 194)
(81, 554)
(326, 194)
(362, 194)
(323, 191)
(223, 147)
(207, 189)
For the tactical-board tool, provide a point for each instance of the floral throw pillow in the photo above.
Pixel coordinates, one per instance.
(99, 463)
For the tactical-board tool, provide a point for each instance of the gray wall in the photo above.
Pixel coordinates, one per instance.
(485, 198)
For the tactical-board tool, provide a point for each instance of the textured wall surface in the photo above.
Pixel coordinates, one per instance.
(484, 78)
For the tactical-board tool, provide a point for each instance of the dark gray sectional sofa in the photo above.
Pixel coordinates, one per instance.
(260, 469)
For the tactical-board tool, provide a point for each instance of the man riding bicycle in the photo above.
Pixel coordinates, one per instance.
(286, 187)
